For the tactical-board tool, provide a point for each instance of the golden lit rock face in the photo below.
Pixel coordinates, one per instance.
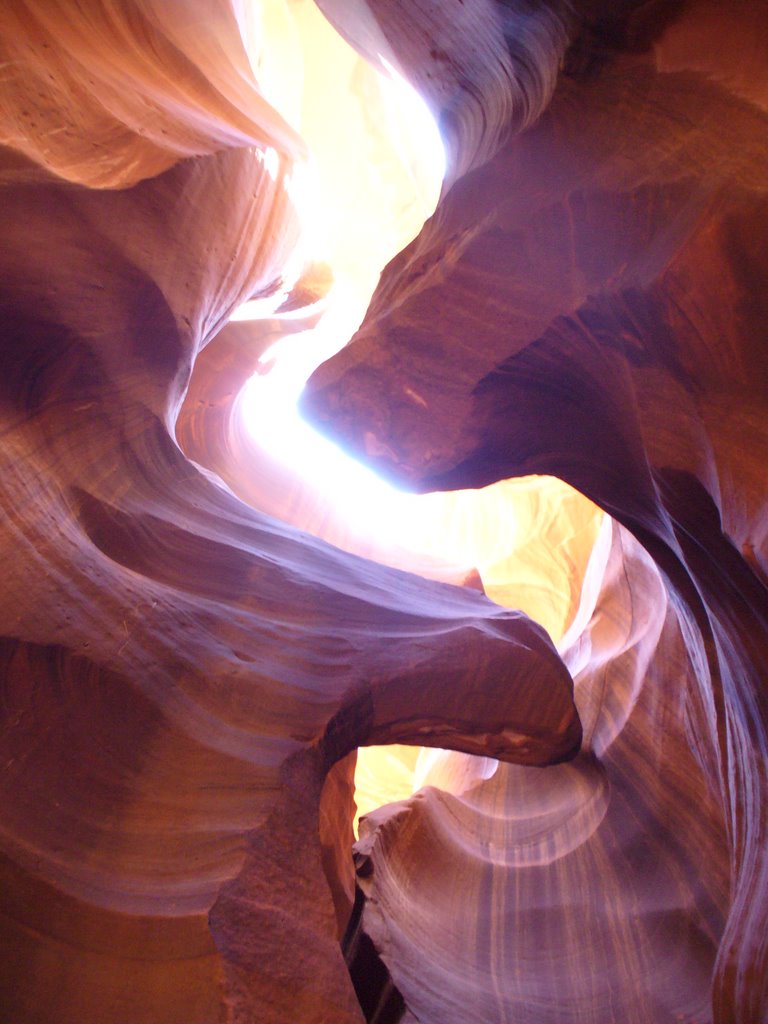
(533, 540)
(186, 673)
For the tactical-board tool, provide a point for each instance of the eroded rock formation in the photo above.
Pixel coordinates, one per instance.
(618, 248)
(185, 678)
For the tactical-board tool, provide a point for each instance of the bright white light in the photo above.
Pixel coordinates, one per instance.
(367, 503)
(301, 185)
(360, 497)
(412, 128)
(271, 162)
(269, 403)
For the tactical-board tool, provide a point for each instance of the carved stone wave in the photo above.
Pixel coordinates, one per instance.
(185, 679)
(589, 304)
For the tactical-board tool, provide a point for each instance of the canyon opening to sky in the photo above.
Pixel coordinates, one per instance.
(503, 583)
(386, 141)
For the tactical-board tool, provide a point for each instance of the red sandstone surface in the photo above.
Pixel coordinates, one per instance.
(187, 672)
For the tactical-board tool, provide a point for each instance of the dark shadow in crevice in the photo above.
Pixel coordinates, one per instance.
(379, 1000)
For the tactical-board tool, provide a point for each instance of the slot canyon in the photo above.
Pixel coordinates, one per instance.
(383, 517)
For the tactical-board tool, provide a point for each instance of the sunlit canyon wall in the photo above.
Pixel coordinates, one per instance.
(187, 670)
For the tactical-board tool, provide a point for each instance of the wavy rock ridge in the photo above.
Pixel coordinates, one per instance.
(617, 247)
(185, 679)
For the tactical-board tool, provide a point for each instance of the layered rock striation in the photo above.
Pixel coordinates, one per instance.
(186, 678)
(588, 304)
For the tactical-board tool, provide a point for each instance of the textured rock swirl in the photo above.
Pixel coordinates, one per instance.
(589, 304)
(184, 679)
(116, 92)
(484, 66)
(598, 889)
(179, 671)
(529, 540)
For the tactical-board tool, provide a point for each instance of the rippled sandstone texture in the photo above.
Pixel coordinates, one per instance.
(589, 303)
(185, 679)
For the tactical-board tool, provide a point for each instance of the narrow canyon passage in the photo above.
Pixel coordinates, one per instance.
(518, 251)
